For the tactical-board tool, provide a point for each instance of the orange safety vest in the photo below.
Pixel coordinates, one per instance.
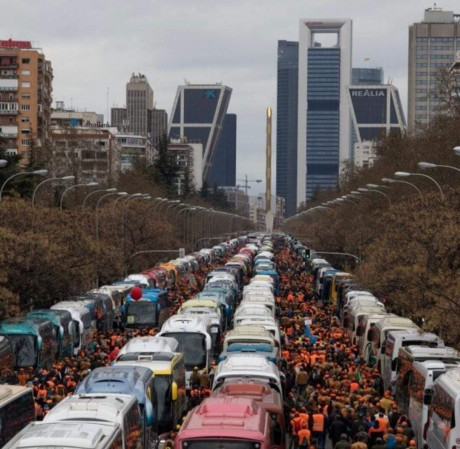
(304, 434)
(318, 422)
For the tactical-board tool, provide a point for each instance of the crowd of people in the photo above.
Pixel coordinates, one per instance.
(331, 396)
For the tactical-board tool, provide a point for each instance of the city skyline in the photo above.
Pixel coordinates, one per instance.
(119, 39)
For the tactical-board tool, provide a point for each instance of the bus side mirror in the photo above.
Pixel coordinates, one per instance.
(174, 393)
(384, 347)
(428, 397)
(394, 364)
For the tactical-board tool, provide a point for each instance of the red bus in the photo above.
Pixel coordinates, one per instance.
(226, 423)
(266, 397)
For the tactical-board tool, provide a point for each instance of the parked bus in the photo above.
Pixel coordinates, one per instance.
(121, 409)
(17, 409)
(32, 340)
(230, 423)
(145, 312)
(160, 355)
(398, 339)
(68, 435)
(420, 393)
(444, 412)
(410, 354)
(60, 322)
(135, 380)
(194, 335)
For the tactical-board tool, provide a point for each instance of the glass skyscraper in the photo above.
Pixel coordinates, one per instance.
(367, 75)
(286, 124)
(198, 117)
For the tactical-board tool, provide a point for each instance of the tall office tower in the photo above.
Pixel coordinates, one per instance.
(118, 119)
(158, 124)
(25, 97)
(198, 116)
(223, 164)
(324, 128)
(286, 124)
(366, 75)
(432, 46)
(139, 98)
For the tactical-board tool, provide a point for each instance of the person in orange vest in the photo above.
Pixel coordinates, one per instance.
(304, 435)
(295, 423)
(318, 428)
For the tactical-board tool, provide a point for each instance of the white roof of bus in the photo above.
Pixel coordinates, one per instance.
(444, 352)
(248, 330)
(100, 407)
(450, 381)
(253, 309)
(154, 365)
(150, 344)
(81, 435)
(9, 392)
(185, 323)
(396, 322)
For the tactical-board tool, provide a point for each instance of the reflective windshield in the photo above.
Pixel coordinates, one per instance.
(162, 386)
(24, 350)
(220, 444)
(193, 346)
(141, 313)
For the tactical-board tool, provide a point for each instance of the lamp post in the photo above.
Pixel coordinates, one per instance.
(27, 173)
(425, 165)
(112, 189)
(457, 151)
(62, 178)
(3, 163)
(394, 181)
(403, 174)
(123, 194)
(362, 189)
(89, 184)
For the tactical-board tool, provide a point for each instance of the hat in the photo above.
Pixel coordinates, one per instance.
(412, 443)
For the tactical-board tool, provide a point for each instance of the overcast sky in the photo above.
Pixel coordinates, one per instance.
(95, 45)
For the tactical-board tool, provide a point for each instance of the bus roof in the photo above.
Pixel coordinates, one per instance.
(150, 345)
(11, 392)
(17, 326)
(211, 303)
(248, 330)
(225, 417)
(81, 435)
(396, 322)
(186, 323)
(427, 353)
(450, 381)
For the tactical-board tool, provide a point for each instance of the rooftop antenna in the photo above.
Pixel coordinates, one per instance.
(107, 116)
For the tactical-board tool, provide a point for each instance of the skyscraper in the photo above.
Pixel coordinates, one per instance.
(367, 75)
(198, 116)
(25, 97)
(324, 129)
(432, 46)
(223, 164)
(139, 99)
(286, 124)
(158, 124)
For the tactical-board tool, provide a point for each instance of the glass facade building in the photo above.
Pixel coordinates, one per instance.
(198, 117)
(367, 76)
(223, 164)
(286, 124)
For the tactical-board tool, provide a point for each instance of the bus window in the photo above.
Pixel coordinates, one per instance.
(24, 349)
(443, 413)
(118, 443)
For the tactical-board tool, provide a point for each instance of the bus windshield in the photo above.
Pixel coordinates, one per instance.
(193, 346)
(24, 350)
(220, 444)
(141, 313)
(162, 386)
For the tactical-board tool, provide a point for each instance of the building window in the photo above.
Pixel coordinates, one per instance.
(25, 131)
(25, 119)
(25, 96)
(26, 142)
(25, 60)
(25, 107)
(25, 72)
(25, 84)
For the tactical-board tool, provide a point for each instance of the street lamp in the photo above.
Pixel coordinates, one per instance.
(112, 189)
(362, 189)
(28, 173)
(89, 184)
(97, 208)
(394, 181)
(3, 163)
(457, 151)
(62, 178)
(425, 165)
(403, 174)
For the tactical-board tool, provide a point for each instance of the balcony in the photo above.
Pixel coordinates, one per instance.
(8, 108)
(9, 131)
(8, 85)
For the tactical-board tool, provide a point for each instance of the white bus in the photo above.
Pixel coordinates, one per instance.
(69, 435)
(420, 393)
(17, 409)
(444, 412)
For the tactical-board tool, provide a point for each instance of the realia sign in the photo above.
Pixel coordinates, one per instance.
(367, 93)
(15, 44)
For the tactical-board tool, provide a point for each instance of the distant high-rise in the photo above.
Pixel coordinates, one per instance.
(158, 124)
(223, 164)
(198, 116)
(432, 46)
(139, 99)
(324, 128)
(286, 124)
(25, 97)
(367, 76)
(118, 119)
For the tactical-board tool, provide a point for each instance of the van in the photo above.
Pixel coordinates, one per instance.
(194, 335)
(69, 435)
(248, 366)
(120, 409)
(83, 326)
(134, 380)
(160, 355)
(414, 353)
(398, 339)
